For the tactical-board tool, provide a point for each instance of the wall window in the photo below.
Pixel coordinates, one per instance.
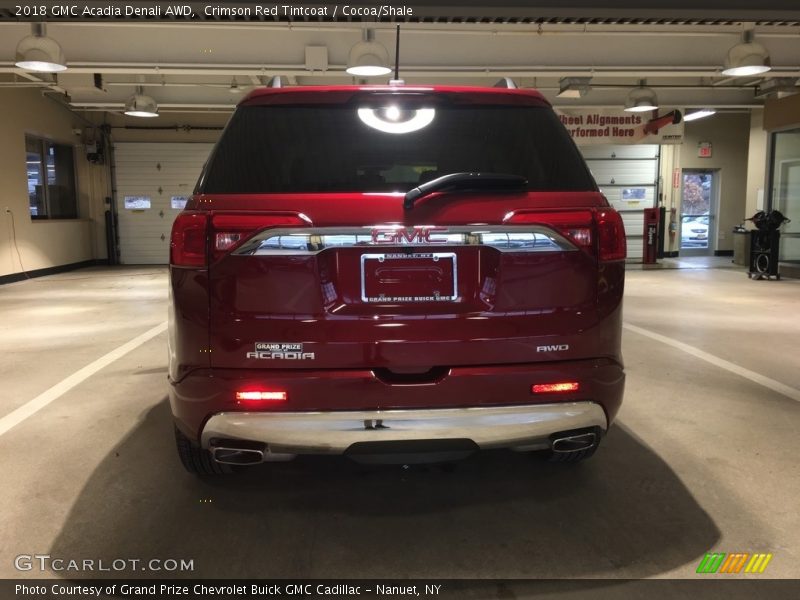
(785, 189)
(51, 179)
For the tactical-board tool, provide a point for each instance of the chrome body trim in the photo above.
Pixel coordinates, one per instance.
(294, 241)
(516, 427)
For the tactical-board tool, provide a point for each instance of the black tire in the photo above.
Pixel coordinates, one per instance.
(197, 460)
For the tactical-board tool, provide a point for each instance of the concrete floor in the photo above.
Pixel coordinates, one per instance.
(701, 459)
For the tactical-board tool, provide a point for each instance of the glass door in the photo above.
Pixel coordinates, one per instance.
(785, 190)
(698, 207)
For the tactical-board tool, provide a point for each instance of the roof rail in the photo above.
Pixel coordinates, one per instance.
(506, 82)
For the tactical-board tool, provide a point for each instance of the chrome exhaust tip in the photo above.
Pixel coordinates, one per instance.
(237, 456)
(574, 443)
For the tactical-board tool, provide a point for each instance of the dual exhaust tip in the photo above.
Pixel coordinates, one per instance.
(577, 442)
(237, 456)
(244, 452)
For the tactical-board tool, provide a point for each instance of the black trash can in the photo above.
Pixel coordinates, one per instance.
(764, 254)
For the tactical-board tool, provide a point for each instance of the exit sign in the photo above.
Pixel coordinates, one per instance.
(704, 150)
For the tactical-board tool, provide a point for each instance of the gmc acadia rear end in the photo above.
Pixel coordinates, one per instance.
(394, 274)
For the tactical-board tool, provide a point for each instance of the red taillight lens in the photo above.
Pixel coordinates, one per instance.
(582, 227)
(554, 388)
(187, 246)
(575, 225)
(610, 235)
(230, 230)
(582, 236)
(262, 395)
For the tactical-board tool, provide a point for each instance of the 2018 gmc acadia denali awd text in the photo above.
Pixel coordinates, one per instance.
(391, 272)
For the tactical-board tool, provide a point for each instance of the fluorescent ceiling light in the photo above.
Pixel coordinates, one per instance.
(395, 120)
(699, 114)
(37, 52)
(574, 87)
(747, 58)
(641, 99)
(141, 105)
(368, 58)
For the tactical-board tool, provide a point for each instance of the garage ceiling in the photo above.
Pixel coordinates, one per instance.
(190, 66)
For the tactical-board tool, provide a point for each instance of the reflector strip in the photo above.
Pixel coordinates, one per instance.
(261, 395)
(548, 388)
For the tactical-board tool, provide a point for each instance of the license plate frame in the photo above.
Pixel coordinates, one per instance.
(446, 261)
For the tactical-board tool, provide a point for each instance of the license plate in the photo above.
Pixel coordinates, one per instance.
(401, 278)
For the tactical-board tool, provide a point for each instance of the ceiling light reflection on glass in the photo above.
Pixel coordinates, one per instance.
(395, 120)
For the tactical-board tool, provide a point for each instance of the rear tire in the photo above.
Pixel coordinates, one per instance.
(196, 460)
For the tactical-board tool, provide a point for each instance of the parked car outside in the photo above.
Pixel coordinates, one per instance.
(694, 231)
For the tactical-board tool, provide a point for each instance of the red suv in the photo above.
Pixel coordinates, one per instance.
(396, 274)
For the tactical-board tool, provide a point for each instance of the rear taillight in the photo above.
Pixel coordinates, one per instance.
(611, 243)
(230, 230)
(597, 231)
(193, 236)
(187, 246)
(575, 225)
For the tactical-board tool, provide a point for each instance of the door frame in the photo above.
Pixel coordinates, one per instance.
(713, 214)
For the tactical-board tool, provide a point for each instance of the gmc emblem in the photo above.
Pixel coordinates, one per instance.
(405, 235)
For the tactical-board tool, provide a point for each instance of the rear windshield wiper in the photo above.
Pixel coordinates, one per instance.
(495, 182)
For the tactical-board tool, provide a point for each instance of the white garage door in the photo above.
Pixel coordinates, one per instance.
(152, 183)
(628, 176)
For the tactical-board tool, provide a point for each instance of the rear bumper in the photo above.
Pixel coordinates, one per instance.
(286, 434)
(204, 394)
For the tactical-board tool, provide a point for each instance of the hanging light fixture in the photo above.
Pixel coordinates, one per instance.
(747, 58)
(699, 114)
(368, 58)
(641, 99)
(141, 105)
(37, 52)
(234, 89)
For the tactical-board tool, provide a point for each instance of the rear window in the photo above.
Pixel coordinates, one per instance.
(342, 148)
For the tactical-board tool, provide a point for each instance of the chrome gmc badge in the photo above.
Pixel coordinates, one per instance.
(408, 235)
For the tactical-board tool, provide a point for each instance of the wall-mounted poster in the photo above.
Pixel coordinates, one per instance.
(633, 194)
(137, 202)
(612, 126)
(178, 202)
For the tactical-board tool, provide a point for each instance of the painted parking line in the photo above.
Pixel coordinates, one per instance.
(775, 386)
(31, 407)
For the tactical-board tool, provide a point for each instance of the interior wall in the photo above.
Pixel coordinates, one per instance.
(45, 243)
(729, 134)
(782, 113)
(670, 194)
(756, 164)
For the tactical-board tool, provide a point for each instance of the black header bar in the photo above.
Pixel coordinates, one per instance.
(570, 11)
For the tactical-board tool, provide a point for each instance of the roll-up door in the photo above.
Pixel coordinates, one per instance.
(153, 181)
(628, 176)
